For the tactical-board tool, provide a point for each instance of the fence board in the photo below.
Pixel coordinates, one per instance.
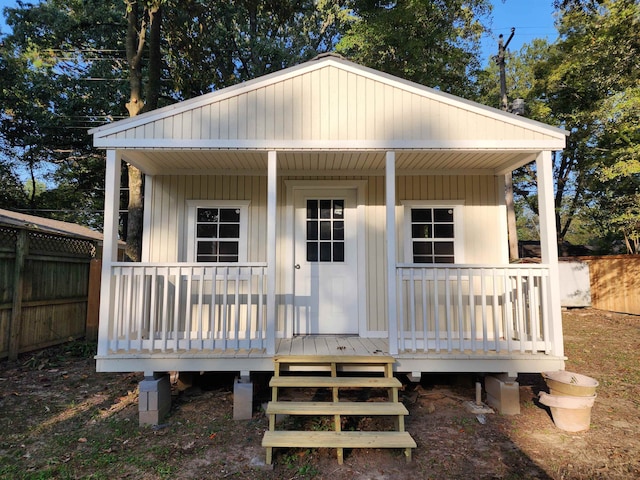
(615, 282)
(45, 302)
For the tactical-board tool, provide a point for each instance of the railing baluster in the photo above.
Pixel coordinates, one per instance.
(425, 306)
(533, 316)
(236, 313)
(496, 311)
(400, 296)
(483, 306)
(436, 307)
(544, 278)
(447, 295)
(522, 334)
(508, 314)
(472, 310)
(225, 308)
(165, 310)
(200, 307)
(412, 308)
(188, 309)
(142, 302)
(460, 311)
(153, 309)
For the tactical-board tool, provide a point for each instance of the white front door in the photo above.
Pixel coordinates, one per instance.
(325, 262)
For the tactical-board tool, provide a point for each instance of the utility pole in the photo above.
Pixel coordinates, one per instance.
(504, 101)
(508, 179)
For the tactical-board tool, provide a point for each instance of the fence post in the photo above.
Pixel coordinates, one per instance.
(15, 325)
(93, 300)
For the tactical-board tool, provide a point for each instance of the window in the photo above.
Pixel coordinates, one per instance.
(325, 230)
(431, 233)
(217, 232)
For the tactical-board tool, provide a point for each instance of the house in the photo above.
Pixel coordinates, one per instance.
(329, 209)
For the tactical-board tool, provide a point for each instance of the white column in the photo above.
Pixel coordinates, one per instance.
(549, 246)
(272, 186)
(390, 188)
(109, 246)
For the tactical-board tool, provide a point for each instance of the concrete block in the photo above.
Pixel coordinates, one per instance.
(154, 399)
(503, 395)
(242, 399)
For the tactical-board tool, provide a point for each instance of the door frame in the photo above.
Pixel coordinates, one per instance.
(287, 262)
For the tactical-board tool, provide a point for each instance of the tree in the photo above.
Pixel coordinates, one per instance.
(590, 84)
(432, 42)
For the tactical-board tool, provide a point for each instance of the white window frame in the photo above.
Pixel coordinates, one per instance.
(458, 242)
(243, 241)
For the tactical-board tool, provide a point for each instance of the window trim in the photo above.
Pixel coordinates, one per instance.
(243, 241)
(458, 243)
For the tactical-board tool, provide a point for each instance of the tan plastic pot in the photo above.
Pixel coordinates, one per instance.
(562, 382)
(572, 414)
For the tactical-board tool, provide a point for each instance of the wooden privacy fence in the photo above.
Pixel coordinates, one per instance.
(615, 282)
(44, 285)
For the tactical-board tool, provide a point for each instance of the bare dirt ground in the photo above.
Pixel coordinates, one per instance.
(59, 419)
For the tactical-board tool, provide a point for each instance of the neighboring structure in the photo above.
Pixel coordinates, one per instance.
(328, 209)
(45, 286)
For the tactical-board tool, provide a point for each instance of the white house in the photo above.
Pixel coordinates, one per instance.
(328, 209)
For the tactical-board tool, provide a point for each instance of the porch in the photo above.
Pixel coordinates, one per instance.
(451, 318)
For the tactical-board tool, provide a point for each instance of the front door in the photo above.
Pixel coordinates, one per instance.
(326, 262)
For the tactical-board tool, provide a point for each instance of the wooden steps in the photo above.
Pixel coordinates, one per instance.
(336, 408)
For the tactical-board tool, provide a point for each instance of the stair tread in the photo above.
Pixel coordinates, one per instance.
(332, 408)
(338, 439)
(317, 381)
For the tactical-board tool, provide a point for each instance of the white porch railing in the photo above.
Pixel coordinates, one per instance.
(473, 308)
(187, 306)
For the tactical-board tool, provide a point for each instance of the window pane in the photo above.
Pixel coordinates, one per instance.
(230, 215)
(207, 247)
(443, 248)
(420, 231)
(338, 252)
(422, 248)
(443, 260)
(325, 251)
(443, 215)
(443, 231)
(207, 215)
(312, 230)
(228, 258)
(420, 214)
(338, 230)
(207, 230)
(325, 208)
(422, 259)
(312, 251)
(312, 209)
(228, 248)
(325, 230)
(338, 209)
(230, 231)
(207, 258)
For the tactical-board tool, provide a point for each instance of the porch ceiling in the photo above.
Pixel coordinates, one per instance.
(198, 162)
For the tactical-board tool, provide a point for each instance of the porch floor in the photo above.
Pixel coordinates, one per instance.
(257, 359)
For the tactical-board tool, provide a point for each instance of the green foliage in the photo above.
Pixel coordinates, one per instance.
(432, 42)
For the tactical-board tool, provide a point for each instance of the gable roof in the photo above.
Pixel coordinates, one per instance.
(329, 104)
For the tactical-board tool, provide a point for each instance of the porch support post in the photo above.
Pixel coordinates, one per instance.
(392, 312)
(272, 185)
(110, 246)
(549, 246)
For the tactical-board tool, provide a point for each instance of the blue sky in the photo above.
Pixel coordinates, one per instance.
(531, 19)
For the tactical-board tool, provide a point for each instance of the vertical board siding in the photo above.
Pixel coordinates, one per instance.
(481, 223)
(329, 104)
(169, 211)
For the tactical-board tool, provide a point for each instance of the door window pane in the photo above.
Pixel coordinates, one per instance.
(325, 238)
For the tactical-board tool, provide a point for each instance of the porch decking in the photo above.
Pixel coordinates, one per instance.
(329, 345)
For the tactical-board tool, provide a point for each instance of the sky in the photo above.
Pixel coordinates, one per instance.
(531, 19)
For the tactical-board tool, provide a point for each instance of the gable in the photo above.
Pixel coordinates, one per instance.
(329, 104)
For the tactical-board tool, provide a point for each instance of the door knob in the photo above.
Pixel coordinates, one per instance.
(297, 266)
